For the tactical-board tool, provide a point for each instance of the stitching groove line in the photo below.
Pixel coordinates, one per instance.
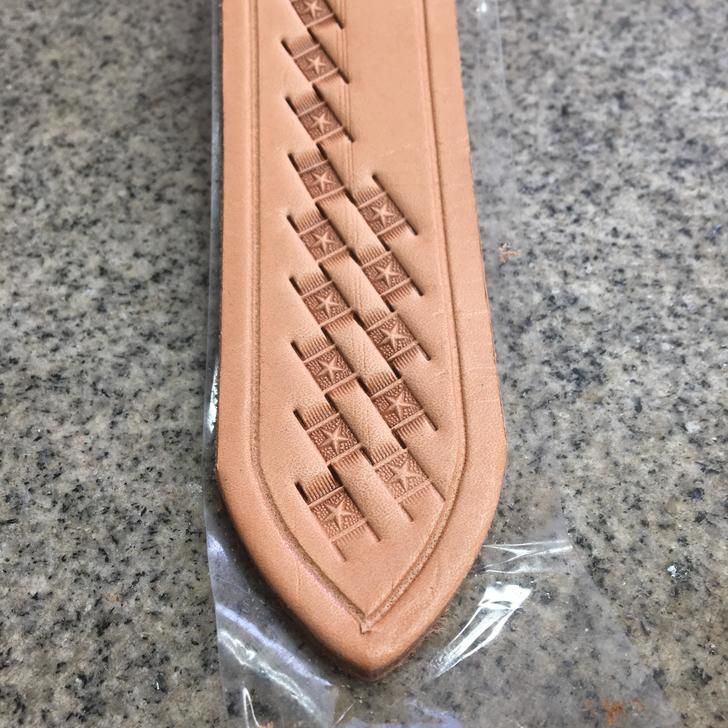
(366, 618)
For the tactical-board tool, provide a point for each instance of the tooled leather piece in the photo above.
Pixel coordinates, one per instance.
(360, 444)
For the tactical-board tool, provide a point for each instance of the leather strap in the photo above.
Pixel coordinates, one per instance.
(360, 440)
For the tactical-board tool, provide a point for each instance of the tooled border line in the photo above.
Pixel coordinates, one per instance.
(414, 570)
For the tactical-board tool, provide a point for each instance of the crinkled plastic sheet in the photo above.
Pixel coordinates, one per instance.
(527, 640)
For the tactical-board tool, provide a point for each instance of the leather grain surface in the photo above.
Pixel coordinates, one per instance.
(360, 440)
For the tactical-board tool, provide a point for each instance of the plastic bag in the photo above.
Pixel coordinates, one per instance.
(527, 640)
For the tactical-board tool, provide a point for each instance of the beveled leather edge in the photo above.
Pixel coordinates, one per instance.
(381, 647)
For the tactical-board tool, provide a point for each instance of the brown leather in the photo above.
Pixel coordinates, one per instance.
(360, 441)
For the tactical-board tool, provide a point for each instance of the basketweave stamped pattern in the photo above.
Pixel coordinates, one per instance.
(395, 403)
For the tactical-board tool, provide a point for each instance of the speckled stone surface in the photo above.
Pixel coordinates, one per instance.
(613, 322)
(611, 326)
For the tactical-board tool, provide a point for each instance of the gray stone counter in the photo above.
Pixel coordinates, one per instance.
(611, 313)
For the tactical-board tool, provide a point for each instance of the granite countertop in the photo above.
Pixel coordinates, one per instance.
(611, 324)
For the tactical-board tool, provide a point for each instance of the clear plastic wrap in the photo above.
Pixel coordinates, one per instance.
(528, 639)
